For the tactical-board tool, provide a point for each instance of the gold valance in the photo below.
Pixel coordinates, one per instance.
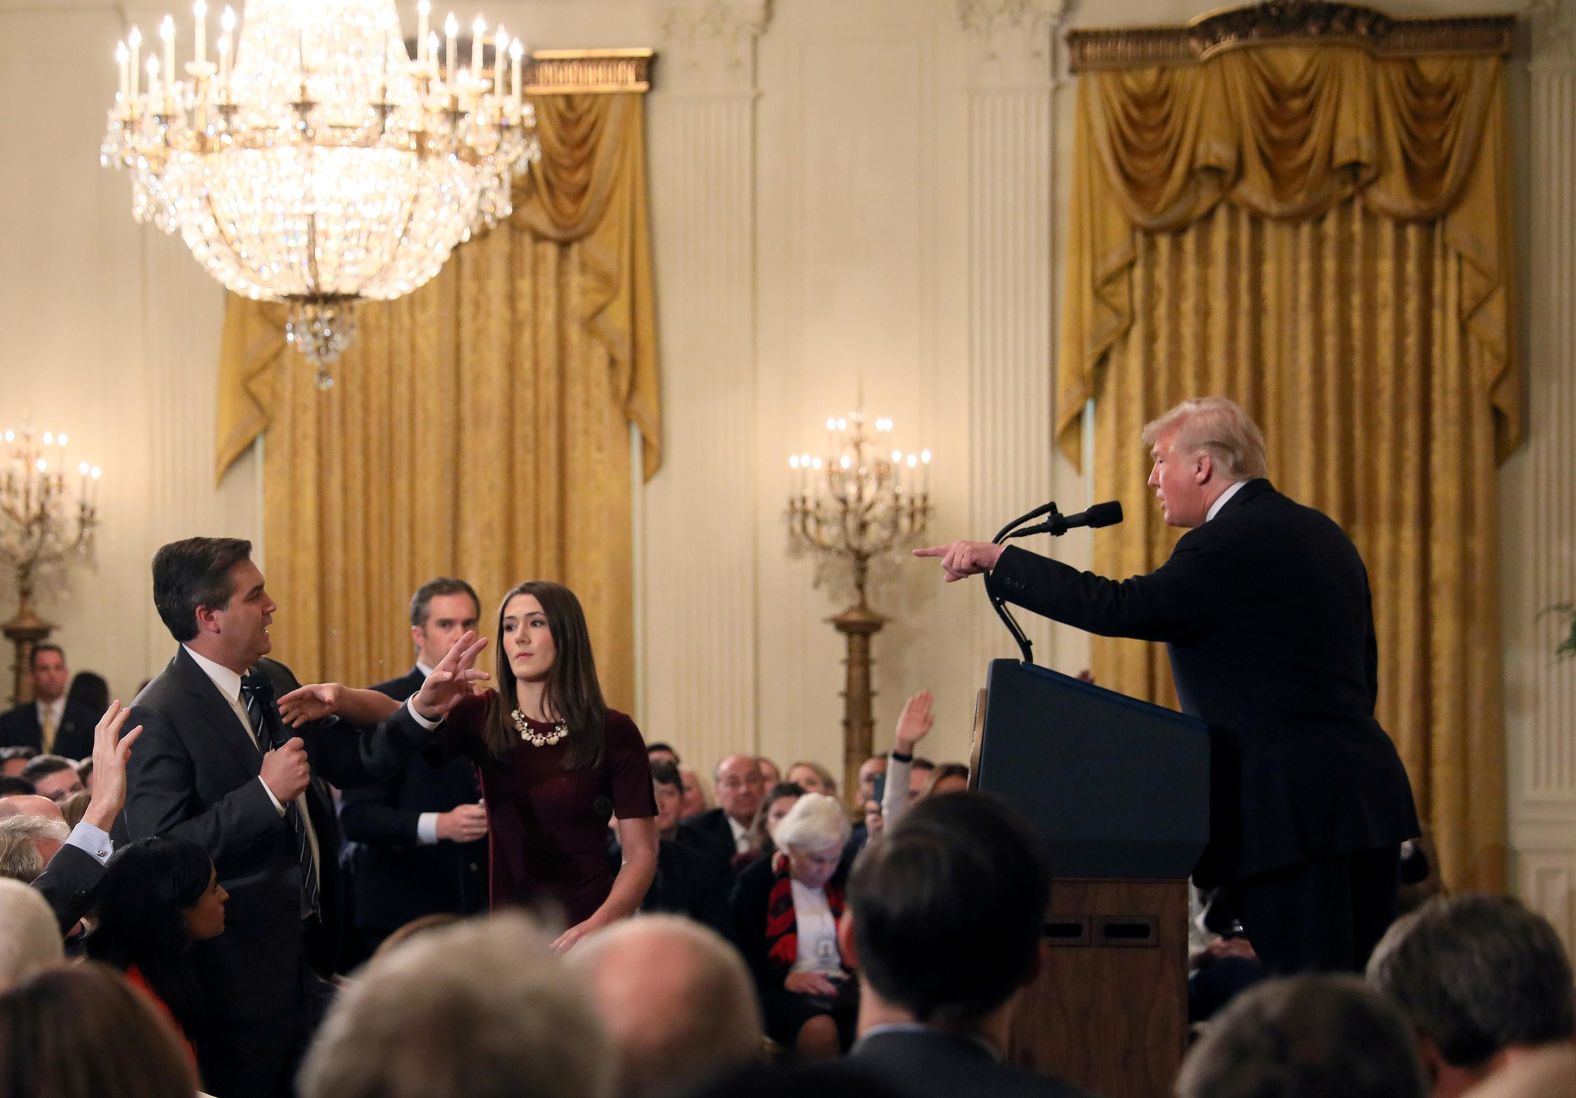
(1287, 132)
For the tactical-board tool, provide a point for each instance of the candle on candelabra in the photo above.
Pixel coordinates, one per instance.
(478, 36)
(153, 83)
(516, 52)
(423, 10)
(135, 40)
(167, 35)
(200, 32)
(500, 62)
(123, 59)
(451, 29)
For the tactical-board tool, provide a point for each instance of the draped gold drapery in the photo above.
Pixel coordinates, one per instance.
(1321, 235)
(479, 427)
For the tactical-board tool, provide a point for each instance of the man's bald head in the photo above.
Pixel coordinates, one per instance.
(676, 999)
(29, 804)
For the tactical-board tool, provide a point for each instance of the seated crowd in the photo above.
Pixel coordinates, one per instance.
(785, 945)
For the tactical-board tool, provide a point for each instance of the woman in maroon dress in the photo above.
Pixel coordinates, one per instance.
(555, 763)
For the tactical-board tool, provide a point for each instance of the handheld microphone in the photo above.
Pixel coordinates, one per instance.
(1101, 514)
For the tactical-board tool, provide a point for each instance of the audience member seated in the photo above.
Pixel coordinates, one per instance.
(676, 1000)
(946, 778)
(812, 777)
(785, 912)
(88, 691)
(13, 759)
(770, 775)
(26, 845)
(872, 768)
(74, 807)
(695, 800)
(15, 787)
(944, 922)
(81, 1031)
(662, 752)
(1308, 1037)
(29, 938)
(1482, 981)
(1221, 960)
(53, 776)
(478, 1010)
(49, 723)
(777, 803)
(157, 898)
(740, 787)
(692, 879)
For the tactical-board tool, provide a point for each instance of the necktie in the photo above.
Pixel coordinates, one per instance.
(257, 691)
(47, 731)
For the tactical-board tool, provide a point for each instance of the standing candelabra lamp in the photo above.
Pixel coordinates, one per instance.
(40, 526)
(861, 500)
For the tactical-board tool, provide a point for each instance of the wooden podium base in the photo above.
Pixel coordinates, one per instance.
(1109, 1009)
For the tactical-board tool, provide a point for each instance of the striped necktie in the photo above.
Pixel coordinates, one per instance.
(257, 691)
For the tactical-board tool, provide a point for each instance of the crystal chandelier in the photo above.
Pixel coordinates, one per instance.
(314, 162)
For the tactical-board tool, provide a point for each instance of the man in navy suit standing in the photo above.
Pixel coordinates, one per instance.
(49, 724)
(1265, 609)
(217, 766)
(421, 836)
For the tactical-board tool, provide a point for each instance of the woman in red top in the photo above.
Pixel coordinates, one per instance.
(555, 764)
(157, 898)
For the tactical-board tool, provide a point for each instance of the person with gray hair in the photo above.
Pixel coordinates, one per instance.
(785, 912)
(675, 998)
(1265, 610)
(26, 845)
(31, 940)
(481, 1009)
(1483, 982)
(1304, 1037)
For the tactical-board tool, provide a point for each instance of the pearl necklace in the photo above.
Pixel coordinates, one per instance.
(535, 738)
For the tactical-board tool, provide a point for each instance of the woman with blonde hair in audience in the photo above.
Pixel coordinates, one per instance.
(157, 898)
(812, 777)
(81, 1031)
(785, 912)
(777, 803)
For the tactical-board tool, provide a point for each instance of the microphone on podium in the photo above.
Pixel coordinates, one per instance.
(1101, 514)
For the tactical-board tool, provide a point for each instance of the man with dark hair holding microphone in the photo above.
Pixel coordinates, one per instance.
(1265, 610)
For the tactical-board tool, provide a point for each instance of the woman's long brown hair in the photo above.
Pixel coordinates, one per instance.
(573, 692)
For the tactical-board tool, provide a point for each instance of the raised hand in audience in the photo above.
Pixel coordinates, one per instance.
(110, 752)
(913, 723)
(332, 699)
(451, 681)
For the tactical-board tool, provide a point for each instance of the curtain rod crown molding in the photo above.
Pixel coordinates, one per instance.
(1289, 22)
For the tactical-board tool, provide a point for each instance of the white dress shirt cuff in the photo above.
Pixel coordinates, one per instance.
(418, 718)
(427, 829)
(92, 841)
(279, 808)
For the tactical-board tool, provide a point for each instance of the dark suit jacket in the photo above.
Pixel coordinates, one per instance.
(690, 881)
(1267, 615)
(73, 739)
(709, 831)
(937, 1064)
(194, 775)
(68, 883)
(394, 878)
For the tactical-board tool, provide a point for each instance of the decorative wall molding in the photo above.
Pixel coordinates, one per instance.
(560, 72)
(1011, 42)
(1282, 21)
(710, 46)
(1553, 33)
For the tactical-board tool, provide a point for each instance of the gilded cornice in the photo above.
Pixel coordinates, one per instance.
(566, 72)
(1283, 22)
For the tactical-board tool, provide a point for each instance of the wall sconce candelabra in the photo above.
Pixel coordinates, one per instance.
(40, 525)
(860, 500)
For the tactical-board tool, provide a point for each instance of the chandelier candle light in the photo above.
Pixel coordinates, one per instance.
(40, 525)
(861, 500)
(317, 163)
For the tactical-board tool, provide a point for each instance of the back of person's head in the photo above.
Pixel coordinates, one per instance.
(479, 1010)
(89, 690)
(41, 766)
(141, 905)
(676, 999)
(1304, 1037)
(666, 773)
(14, 786)
(1216, 425)
(949, 907)
(194, 572)
(30, 938)
(23, 840)
(1475, 975)
(81, 1031)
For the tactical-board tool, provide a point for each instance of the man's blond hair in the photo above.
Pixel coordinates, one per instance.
(1217, 426)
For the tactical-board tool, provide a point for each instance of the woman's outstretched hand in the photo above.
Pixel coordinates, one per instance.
(450, 681)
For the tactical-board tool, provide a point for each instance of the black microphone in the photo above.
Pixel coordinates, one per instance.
(1101, 514)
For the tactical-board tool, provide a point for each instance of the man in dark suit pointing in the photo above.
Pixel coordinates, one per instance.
(1265, 609)
(216, 766)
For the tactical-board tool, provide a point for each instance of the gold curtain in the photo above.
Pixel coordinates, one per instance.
(479, 427)
(1322, 236)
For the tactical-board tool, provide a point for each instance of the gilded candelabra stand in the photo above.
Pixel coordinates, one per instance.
(40, 526)
(859, 501)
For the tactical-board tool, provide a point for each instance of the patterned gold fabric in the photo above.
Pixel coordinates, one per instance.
(479, 427)
(1323, 237)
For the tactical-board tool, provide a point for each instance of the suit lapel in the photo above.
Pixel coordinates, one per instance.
(215, 712)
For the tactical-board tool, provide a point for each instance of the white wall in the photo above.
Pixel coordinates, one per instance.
(846, 194)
